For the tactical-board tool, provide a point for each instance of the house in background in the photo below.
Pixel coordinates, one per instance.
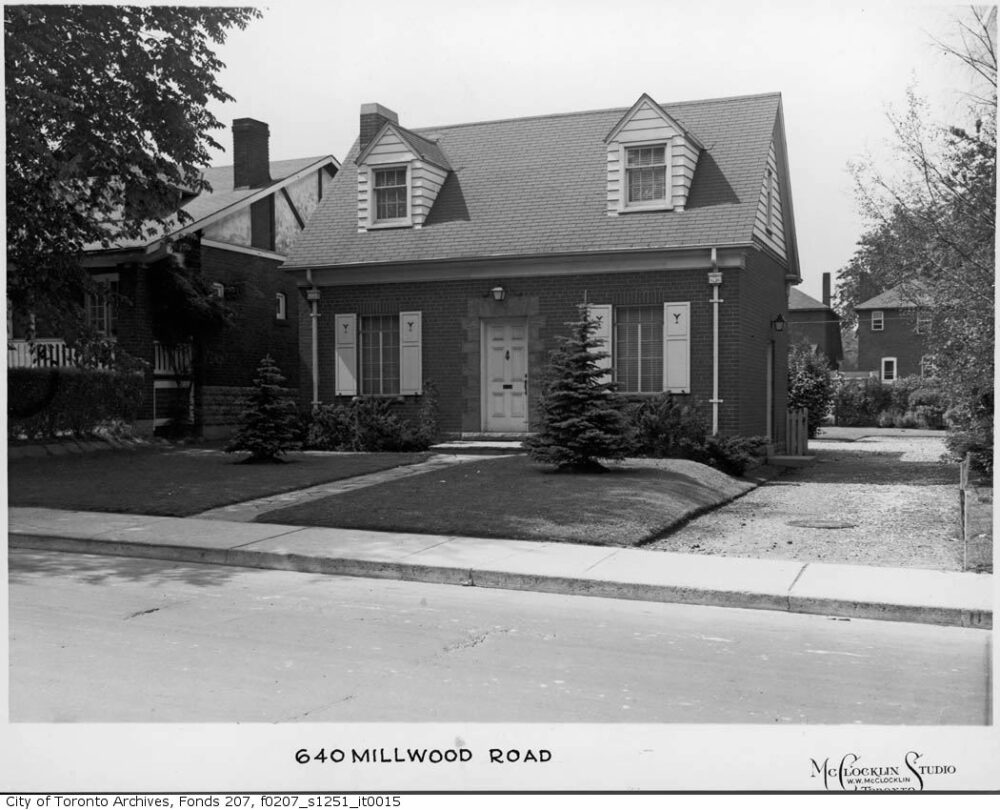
(456, 255)
(238, 235)
(816, 323)
(892, 334)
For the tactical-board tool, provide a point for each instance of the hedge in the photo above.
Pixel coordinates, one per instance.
(47, 402)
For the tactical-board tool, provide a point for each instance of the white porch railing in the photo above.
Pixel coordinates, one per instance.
(171, 361)
(173, 388)
(40, 353)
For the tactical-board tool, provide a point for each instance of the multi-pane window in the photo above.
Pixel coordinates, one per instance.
(646, 173)
(102, 305)
(928, 368)
(888, 369)
(878, 320)
(638, 344)
(390, 194)
(380, 354)
(923, 323)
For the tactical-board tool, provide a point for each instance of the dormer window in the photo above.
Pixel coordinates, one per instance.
(646, 174)
(390, 194)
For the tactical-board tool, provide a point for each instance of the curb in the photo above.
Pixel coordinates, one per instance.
(493, 577)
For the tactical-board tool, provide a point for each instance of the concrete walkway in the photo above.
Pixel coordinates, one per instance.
(248, 511)
(912, 595)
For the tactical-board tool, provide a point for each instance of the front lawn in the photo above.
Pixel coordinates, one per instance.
(513, 498)
(177, 482)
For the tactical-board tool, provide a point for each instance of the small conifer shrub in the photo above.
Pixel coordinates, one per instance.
(581, 413)
(269, 424)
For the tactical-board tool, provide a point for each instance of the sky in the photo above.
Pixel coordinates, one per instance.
(306, 68)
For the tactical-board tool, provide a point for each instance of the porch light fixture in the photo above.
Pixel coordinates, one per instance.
(778, 324)
(498, 293)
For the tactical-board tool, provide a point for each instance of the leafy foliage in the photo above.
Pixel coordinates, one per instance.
(810, 384)
(183, 305)
(933, 228)
(581, 415)
(269, 425)
(47, 402)
(670, 427)
(106, 122)
(666, 426)
(368, 424)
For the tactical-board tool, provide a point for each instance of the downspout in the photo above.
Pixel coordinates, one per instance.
(312, 296)
(715, 280)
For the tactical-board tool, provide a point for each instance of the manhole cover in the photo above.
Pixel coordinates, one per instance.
(821, 524)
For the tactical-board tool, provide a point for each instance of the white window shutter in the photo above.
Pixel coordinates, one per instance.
(411, 379)
(346, 348)
(603, 313)
(677, 347)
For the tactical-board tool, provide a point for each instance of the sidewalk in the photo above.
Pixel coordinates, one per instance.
(852, 591)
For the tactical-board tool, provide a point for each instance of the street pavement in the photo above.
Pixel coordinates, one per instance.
(855, 591)
(98, 638)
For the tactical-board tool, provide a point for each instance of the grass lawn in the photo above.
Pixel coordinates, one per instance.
(513, 498)
(179, 481)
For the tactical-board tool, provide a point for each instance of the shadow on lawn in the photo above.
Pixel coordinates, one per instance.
(26, 565)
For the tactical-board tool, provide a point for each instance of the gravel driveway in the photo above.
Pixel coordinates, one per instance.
(898, 500)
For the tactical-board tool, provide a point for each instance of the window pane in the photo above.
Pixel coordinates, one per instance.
(639, 349)
(380, 354)
(647, 184)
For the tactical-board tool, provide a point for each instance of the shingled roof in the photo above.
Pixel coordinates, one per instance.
(222, 196)
(909, 296)
(799, 300)
(538, 186)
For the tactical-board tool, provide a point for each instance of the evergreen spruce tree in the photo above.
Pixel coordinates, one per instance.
(268, 423)
(580, 409)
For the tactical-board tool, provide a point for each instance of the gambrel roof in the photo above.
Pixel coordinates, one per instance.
(538, 187)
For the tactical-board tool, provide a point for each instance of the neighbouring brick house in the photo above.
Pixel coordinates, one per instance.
(456, 254)
(816, 323)
(892, 334)
(238, 235)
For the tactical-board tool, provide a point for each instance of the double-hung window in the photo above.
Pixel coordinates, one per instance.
(878, 320)
(390, 194)
(889, 372)
(646, 175)
(638, 347)
(102, 305)
(380, 355)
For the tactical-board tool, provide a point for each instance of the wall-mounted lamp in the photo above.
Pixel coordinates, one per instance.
(778, 324)
(498, 293)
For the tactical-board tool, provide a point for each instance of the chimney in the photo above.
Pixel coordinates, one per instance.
(250, 154)
(373, 118)
(826, 289)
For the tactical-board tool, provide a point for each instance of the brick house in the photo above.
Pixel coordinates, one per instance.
(238, 235)
(816, 323)
(892, 334)
(457, 254)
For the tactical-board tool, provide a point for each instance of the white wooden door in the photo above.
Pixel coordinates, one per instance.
(506, 376)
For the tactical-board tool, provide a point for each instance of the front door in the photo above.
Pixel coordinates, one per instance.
(505, 376)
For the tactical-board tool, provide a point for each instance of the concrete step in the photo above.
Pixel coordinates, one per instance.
(790, 461)
(479, 448)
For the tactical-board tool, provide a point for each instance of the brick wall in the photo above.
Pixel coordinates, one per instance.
(452, 311)
(762, 296)
(897, 339)
(251, 284)
(819, 328)
(221, 406)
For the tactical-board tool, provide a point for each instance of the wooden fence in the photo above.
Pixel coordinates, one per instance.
(797, 431)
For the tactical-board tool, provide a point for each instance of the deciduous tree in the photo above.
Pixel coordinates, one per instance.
(107, 120)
